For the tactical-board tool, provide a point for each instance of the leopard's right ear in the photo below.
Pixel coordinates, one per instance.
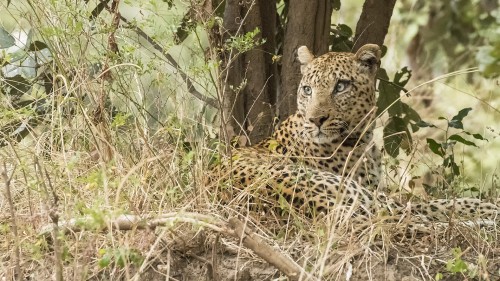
(305, 57)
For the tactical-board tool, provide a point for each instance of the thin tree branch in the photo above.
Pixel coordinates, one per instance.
(191, 89)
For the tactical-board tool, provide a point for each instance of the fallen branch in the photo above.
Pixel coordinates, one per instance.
(234, 228)
(129, 222)
(284, 264)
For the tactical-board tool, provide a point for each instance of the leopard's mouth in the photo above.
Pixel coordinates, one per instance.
(333, 132)
(328, 134)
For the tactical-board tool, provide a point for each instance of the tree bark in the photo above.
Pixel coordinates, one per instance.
(373, 23)
(257, 102)
(250, 78)
(308, 24)
(231, 76)
(269, 31)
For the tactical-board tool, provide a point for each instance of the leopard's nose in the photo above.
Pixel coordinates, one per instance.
(319, 120)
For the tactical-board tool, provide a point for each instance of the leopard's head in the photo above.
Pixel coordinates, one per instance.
(337, 92)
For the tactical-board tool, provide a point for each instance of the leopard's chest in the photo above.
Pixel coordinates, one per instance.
(361, 162)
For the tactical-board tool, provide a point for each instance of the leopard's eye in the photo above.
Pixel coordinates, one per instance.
(341, 86)
(307, 90)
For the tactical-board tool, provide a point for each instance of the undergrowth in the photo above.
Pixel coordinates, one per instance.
(118, 134)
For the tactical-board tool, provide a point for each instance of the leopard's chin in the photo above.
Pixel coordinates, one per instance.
(321, 137)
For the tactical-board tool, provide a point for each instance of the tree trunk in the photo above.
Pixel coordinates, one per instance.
(373, 23)
(308, 24)
(231, 76)
(250, 78)
(258, 103)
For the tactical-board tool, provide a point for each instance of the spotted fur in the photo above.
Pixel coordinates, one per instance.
(323, 156)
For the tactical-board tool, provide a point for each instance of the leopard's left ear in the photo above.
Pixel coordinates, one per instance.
(368, 57)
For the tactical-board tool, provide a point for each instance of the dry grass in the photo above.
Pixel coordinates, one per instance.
(79, 163)
(73, 184)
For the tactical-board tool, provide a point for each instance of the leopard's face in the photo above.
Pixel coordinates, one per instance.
(336, 93)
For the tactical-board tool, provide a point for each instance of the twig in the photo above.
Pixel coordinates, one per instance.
(54, 216)
(147, 259)
(51, 205)
(169, 257)
(215, 274)
(113, 46)
(8, 195)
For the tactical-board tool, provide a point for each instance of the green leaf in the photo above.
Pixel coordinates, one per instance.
(336, 4)
(479, 137)
(402, 77)
(120, 119)
(6, 40)
(344, 30)
(170, 3)
(120, 258)
(343, 46)
(474, 189)
(18, 85)
(435, 147)
(423, 124)
(394, 133)
(389, 95)
(411, 113)
(456, 121)
(383, 48)
(37, 46)
(455, 168)
(273, 144)
(461, 140)
(476, 136)
(456, 266)
(104, 261)
(456, 124)
(382, 74)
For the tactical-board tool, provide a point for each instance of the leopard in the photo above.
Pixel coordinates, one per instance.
(323, 157)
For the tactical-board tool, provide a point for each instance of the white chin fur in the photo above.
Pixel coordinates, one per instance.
(321, 138)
